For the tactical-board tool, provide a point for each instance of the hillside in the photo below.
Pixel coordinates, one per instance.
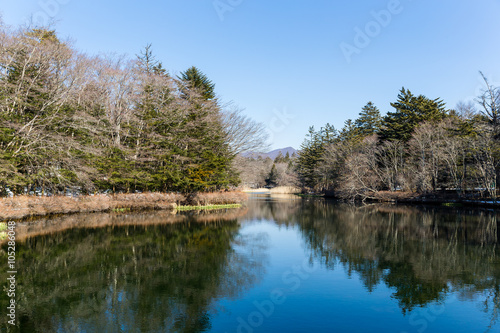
(272, 154)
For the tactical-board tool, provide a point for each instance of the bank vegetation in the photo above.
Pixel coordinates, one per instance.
(73, 123)
(421, 151)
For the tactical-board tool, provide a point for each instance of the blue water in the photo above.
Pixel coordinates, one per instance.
(320, 299)
(277, 265)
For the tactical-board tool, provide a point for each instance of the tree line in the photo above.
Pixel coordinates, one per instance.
(265, 172)
(421, 146)
(70, 120)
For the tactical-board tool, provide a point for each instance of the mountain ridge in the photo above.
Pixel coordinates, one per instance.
(272, 154)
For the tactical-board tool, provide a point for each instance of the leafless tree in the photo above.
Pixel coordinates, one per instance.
(490, 102)
(243, 133)
(426, 144)
(484, 149)
(361, 176)
(391, 156)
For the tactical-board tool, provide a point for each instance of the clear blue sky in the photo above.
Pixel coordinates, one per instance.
(285, 56)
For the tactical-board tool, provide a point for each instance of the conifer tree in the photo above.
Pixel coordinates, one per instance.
(272, 178)
(311, 152)
(194, 79)
(279, 158)
(369, 120)
(410, 111)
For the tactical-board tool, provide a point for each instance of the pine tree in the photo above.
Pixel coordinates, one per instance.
(272, 178)
(369, 120)
(410, 111)
(279, 158)
(349, 132)
(194, 80)
(311, 152)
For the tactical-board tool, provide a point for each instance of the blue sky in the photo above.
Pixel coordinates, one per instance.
(285, 61)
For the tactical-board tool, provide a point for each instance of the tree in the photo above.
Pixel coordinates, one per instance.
(369, 120)
(360, 175)
(194, 79)
(391, 156)
(67, 119)
(426, 146)
(272, 177)
(485, 152)
(279, 158)
(349, 132)
(243, 133)
(311, 152)
(490, 103)
(410, 111)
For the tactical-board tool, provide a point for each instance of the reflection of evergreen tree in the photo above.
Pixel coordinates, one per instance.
(419, 253)
(151, 278)
(410, 290)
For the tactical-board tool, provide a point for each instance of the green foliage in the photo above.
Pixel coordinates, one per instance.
(369, 120)
(272, 177)
(194, 79)
(410, 111)
(130, 127)
(311, 152)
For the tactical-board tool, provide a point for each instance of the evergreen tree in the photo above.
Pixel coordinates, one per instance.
(311, 152)
(349, 132)
(279, 158)
(369, 120)
(410, 111)
(194, 80)
(272, 178)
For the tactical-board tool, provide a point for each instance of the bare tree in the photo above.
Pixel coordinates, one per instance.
(115, 77)
(484, 149)
(490, 102)
(426, 143)
(361, 176)
(243, 133)
(391, 155)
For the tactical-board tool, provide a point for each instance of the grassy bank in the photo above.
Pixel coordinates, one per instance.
(441, 198)
(274, 190)
(20, 207)
(208, 207)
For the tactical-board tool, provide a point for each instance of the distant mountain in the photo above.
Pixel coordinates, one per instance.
(272, 154)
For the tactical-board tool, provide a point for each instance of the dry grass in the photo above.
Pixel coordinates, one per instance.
(285, 190)
(20, 207)
(55, 224)
(275, 190)
(215, 198)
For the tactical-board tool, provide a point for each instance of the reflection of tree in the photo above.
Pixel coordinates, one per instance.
(410, 290)
(418, 252)
(422, 253)
(161, 277)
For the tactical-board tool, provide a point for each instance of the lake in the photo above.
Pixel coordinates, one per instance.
(280, 264)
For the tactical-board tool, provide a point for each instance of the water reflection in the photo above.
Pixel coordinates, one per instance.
(423, 254)
(130, 277)
(158, 272)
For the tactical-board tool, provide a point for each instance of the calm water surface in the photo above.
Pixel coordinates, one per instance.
(278, 265)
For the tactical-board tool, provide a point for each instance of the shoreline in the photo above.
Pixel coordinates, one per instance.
(435, 199)
(24, 207)
(47, 225)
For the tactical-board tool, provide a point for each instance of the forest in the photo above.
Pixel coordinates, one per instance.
(419, 147)
(72, 122)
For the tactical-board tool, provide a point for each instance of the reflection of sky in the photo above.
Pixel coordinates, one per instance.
(331, 301)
